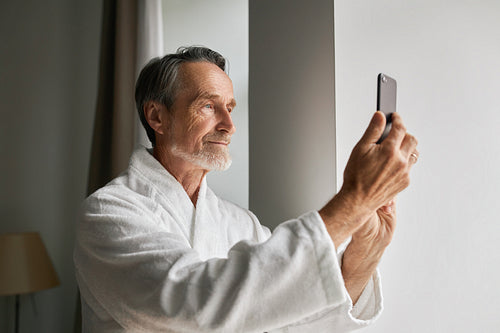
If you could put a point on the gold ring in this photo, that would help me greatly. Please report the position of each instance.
(415, 156)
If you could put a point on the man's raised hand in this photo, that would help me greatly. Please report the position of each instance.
(374, 175)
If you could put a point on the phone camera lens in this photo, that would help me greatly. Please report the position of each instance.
(384, 79)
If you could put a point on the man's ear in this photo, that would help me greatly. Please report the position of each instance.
(155, 114)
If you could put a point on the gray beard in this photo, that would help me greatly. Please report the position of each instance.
(208, 159)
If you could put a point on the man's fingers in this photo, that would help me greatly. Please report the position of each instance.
(413, 157)
(398, 130)
(409, 144)
(375, 128)
(409, 148)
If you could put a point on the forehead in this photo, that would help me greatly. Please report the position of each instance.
(205, 77)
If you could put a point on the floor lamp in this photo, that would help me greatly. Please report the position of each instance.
(25, 266)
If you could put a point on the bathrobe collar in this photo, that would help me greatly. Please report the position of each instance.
(205, 233)
(143, 162)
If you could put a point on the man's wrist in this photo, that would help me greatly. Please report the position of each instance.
(358, 266)
(343, 215)
(361, 259)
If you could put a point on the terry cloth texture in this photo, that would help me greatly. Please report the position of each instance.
(148, 260)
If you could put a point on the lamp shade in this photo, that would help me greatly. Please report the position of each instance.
(25, 266)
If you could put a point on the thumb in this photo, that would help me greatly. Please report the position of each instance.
(375, 128)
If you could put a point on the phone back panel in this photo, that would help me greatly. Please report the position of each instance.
(386, 100)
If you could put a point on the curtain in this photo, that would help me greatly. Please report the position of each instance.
(113, 136)
(132, 34)
(150, 45)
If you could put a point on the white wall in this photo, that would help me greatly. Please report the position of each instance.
(440, 273)
(221, 25)
(292, 124)
(48, 84)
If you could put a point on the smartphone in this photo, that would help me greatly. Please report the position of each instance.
(386, 100)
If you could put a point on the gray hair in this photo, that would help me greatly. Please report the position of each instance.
(159, 80)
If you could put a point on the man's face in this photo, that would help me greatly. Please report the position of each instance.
(200, 126)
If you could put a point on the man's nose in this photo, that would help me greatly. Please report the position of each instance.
(226, 122)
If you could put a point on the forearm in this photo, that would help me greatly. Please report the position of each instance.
(358, 266)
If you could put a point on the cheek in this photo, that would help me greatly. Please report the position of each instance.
(198, 123)
(193, 121)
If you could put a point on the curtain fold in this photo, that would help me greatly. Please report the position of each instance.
(150, 45)
(131, 34)
(113, 136)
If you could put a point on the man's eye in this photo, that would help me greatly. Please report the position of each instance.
(208, 106)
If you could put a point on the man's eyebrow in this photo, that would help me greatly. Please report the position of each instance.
(232, 102)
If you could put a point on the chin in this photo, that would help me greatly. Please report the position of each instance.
(212, 160)
(215, 163)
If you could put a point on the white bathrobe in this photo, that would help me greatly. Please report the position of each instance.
(148, 260)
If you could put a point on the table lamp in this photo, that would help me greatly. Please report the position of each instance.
(25, 266)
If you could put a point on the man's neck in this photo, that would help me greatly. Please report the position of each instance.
(187, 174)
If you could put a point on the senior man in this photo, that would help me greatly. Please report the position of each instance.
(158, 251)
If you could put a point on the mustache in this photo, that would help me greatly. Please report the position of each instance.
(219, 137)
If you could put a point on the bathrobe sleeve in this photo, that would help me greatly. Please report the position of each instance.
(149, 279)
(345, 317)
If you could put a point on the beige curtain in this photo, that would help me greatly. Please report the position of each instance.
(132, 34)
(113, 137)
(150, 45)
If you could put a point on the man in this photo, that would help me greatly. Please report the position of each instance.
(158, 251)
